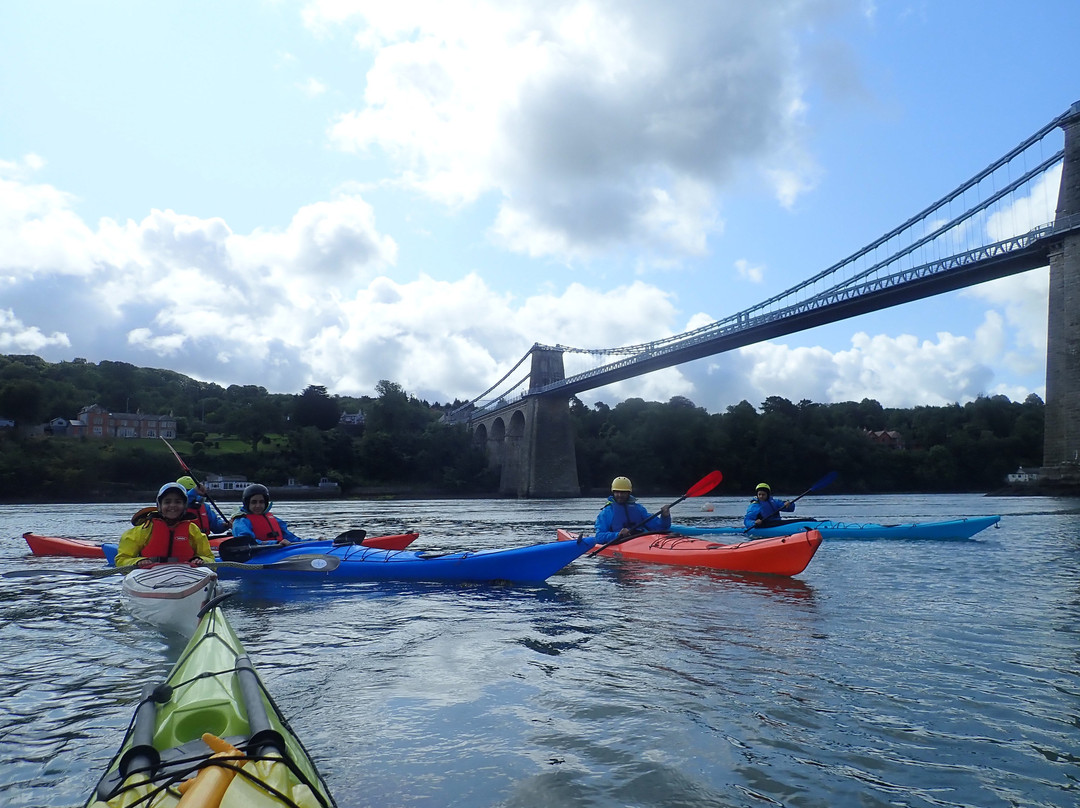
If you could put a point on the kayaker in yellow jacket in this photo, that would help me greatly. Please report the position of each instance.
(165, 534)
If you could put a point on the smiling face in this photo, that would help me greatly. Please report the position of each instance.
(257, 504)
(172, 505)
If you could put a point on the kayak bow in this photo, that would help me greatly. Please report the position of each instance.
(211, 718)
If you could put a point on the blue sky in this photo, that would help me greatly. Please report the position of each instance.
(336, 192)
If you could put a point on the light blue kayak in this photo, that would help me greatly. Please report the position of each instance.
(950, 530)
(531, 564)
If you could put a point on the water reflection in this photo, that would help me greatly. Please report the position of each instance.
(882, 675)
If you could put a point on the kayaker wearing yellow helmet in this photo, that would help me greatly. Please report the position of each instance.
(207, 520)
(764, 510)
(622, 514)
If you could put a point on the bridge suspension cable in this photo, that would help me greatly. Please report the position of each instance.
(931, 242)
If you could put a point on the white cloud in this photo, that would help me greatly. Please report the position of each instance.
(594, 123)
(754, 273)
(17, 337)
(312, 87)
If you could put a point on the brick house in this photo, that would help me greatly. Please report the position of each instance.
(96, 422)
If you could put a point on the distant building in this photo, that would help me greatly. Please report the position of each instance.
(889, 438)
(95, 421)
(225, 482)
(58, 426)
(1022, 476)
(352, 418)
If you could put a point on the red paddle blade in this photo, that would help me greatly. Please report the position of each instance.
(705, 484)
(176, 454)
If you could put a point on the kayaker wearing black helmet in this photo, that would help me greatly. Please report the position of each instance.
(165, 534)
(624, 513)
(764, 510)
(255, 522)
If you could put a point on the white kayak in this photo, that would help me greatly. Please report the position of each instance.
(170, 595)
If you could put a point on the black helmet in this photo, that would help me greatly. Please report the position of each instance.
(252, 490)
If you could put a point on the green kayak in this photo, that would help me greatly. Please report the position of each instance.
(211, 736)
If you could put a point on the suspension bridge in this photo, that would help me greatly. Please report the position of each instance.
(1020, 213)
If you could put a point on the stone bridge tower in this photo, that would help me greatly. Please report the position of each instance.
(531, 441)
(1061, 443)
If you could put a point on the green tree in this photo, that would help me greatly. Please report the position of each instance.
(314, 407)
(22, 400)
(255, 420)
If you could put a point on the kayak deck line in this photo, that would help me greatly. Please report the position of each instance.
(211, 728)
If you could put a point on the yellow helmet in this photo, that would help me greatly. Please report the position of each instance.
(621, 484)
(763, 485)
(187, 482)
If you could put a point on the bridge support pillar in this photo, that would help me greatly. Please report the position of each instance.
(531, 442)
(550, 469)
(1061, 442)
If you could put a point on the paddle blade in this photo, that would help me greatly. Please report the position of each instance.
(101, 572)
(299, 563)
(179, 459)
(354, 536)
(828, 479)
(705, 484)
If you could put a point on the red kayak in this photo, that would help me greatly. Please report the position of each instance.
(782, 555)
(84, 548)
(59, 546)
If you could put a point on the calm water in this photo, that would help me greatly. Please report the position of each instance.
(889, 673)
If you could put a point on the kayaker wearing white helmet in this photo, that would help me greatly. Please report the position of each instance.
(256, 523)
(622, 514)
(165, 534)
(764, 510)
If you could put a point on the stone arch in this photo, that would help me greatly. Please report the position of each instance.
(516, 430)
(480, 435)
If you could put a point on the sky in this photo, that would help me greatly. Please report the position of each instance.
(336, 192)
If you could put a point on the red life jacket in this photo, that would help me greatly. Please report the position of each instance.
(202, 518)
(265, 526)
(169, 543)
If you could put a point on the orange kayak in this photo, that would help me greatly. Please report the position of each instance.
(63, 546)
(85, 548)
(782, 555)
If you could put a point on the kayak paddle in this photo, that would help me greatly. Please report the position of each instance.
(299, 563)
(242, 548)
(828, 479)
(191, 474)
(354, 536)
(698, 489)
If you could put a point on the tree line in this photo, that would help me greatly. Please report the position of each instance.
(403, 446)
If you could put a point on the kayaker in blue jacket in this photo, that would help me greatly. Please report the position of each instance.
(209, 521)
(255, 522)
(623, 515)
(764, 510)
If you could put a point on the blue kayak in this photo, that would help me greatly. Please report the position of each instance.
(531, 564)
(950, 530)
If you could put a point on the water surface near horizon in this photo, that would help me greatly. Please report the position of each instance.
(889, 673)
